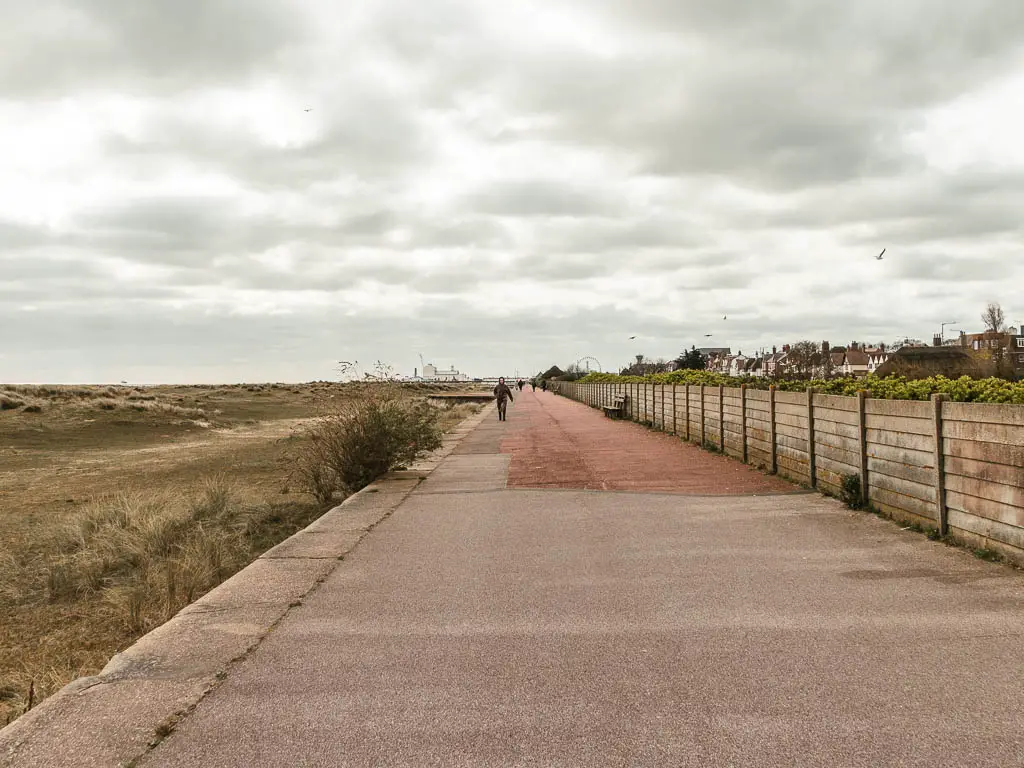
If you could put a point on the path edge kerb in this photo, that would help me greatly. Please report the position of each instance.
(116, 716)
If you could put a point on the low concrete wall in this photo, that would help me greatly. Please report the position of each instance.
(956, 467)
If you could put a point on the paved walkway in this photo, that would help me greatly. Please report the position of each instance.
(557, 443)
(483, 625)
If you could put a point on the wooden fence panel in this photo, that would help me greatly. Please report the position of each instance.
(984, 413)
(907, 440)
(791, 398)
(915, 409)
(836, 402)
(822, 421)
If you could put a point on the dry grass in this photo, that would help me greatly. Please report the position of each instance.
(112, 519)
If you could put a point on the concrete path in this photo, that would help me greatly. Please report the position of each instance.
(478, 624)
(492, 627)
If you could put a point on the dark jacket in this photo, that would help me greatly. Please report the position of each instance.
(503, 393)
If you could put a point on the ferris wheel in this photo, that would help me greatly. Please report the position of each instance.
(589, 364)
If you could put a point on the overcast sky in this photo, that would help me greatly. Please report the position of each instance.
(497, 186)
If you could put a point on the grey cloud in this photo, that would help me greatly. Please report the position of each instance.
(626, 234)
(779, 94)
(363, 134)
(15, 236)
(53, 46)
(698, 105)
(948, 268)
(537, 197)
(922, 208)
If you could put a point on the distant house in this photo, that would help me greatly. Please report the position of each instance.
(775, 363)
(922, 362)
(877, 356)
(1004, 351)
(738, 364)
(855, 361)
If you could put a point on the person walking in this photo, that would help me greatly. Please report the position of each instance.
(503, 395)
(533, 383)
(520, 384)
(544, 385)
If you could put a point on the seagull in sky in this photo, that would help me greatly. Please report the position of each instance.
(308, 109)
(632, 337)
(879, 256)
(725, 317)
(707, 335)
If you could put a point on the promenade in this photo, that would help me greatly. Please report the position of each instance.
(568, 590)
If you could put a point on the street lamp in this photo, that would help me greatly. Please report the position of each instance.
(942, 328)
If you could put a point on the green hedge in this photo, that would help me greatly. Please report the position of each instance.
(963, 390)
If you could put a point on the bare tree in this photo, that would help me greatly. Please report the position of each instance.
(803, 359)
(993, 317)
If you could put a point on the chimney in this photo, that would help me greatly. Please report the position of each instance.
(881, 347)
(775, 351)
(414, 372)
(936, 340)
(825, 347)
(853, 346)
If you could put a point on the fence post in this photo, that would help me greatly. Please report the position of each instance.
(664, 422)
(743, 419)
(941, 510)
(862, 423)
(810, 438)
(702, 415)
(721, 418)
(686, 410)
(771, 426)
(675, 413)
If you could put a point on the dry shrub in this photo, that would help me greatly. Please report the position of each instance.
(364, 438)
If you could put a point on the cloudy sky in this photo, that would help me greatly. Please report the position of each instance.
(498, 186)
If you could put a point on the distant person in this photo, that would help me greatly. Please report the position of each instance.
(533, 383)
(503, 395)
(520, 384)
(544, 384)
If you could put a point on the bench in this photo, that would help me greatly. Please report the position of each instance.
(614, 409)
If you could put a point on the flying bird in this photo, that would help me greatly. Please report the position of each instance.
(725, 317)
(632, 337)
(879, 256)
(308, 109)
(707, 335)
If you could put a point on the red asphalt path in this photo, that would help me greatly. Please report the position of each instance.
(559, 443)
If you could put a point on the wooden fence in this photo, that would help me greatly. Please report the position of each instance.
(955, 467)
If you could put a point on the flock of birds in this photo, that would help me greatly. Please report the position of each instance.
(726, 317)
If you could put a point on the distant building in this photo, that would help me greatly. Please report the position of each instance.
(432, 373)
(877, 356)
(1003, 350)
